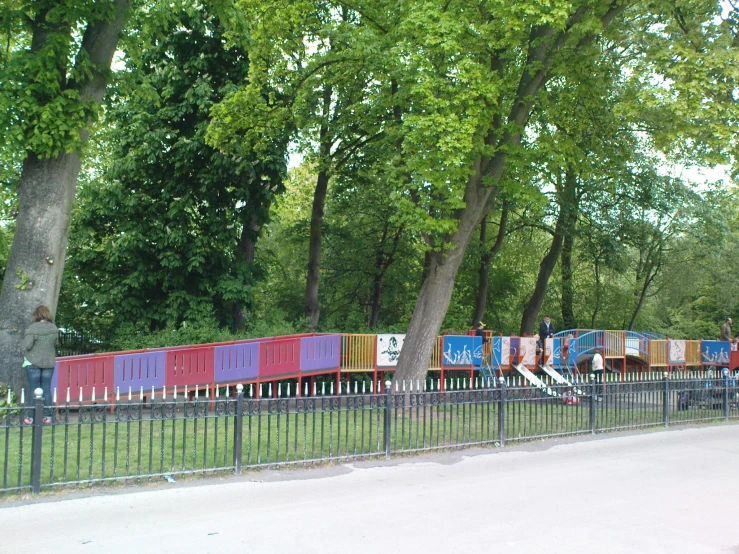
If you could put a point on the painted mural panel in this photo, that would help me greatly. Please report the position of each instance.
(513, 350)
(528, 351)
(572, 352)
(388, 349)
(549, 351)
(676, 351)
(557, 351)
(462, 351)
(715, 352)
(501, 351)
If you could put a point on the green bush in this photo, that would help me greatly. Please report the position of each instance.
(128, 337)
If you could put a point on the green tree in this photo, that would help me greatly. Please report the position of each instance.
(51, 82)
(299, 48)
(168, 234)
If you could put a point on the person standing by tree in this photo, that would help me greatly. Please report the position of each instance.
(726, 330)
(40, 345)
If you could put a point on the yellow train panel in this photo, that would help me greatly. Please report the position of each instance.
(692, 353)
(658, 353)
(358, 352)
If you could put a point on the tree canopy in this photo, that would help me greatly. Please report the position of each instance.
(447, 159)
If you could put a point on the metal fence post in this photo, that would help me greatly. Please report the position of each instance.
(501, 412)
(238, 428)
(726, 393)
(593, 391)
(666, 400)
(38, 430)
(388, 404)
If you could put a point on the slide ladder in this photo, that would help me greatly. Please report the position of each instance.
(487, 371)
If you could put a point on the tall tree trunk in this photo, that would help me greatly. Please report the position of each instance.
(568, 289)
(375, 300)
(377, 281)
(245, 254)
(426, 268)
(482, 275)
(34, 273)
(483, 280)
(312, 306)
(46, 192)
(382, 263)
(598, 288)
(567, 199)
(436, 291)
(641, 297)
(531, 310)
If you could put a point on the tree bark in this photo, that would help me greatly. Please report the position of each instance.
(641, 296)
(531, 310)
(34, 273)
(482, 276)
(436, 291)
(245, 252)
(375, 300)
(312, 306)
(567, 210)
(596, 306)
(46, 192)
(382, 263)
(483, 280)
(568, 288)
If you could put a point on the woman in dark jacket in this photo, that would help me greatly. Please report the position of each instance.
(40, 344)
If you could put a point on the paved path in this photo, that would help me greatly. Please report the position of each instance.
(673, 492)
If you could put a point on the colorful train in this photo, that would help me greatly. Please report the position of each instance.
(300, 359)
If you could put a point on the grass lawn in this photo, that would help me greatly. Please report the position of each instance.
(93, 445)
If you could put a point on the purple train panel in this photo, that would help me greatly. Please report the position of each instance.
(319, 353)
(133, 371)
(236, 362)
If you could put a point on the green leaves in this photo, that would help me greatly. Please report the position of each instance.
(161, 238)
(41, 110)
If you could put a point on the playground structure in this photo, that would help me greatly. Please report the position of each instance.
(341, 358)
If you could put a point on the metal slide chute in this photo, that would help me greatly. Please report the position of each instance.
(534, 380)
(560, 379)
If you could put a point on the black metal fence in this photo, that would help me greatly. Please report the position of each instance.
(148, 437)
(76, 343)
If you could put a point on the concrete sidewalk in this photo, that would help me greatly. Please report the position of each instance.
(673, 492)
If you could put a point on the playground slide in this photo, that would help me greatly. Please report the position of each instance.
(534, 380)
(559, 379)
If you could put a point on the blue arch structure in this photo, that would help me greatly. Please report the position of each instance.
(581, 344)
